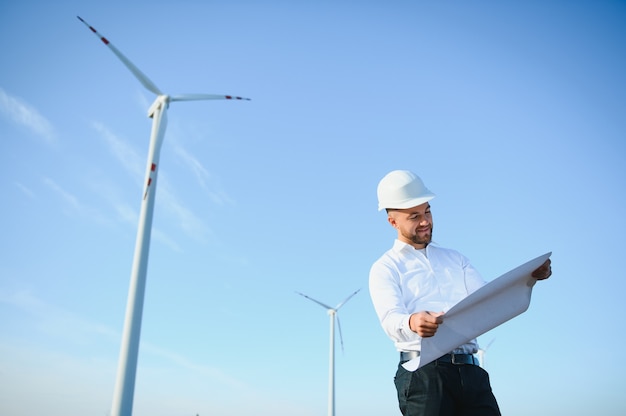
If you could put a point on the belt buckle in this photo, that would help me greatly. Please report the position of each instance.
(461, 360)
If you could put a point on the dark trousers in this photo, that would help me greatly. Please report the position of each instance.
(445, 389)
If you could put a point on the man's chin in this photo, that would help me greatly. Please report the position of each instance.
(422, 240)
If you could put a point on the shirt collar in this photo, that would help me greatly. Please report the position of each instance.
(399, 246)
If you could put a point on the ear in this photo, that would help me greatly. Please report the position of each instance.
(392, 221)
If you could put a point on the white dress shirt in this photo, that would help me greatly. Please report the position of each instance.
(405, 281)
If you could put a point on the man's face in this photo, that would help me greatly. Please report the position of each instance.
(414, 225)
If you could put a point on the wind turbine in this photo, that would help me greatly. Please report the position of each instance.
(332, 312)
(127, 366)
(481, 353)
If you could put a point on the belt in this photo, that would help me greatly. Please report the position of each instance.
(457, 359)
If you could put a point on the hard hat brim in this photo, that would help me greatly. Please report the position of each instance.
(409, 203)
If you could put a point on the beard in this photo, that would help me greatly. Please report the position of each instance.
(420, 238)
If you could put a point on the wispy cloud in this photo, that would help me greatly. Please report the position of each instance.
(27, 191)
(190, 223)
(70, 199)
(206, 181)
(130, 159)
(122, 151)
(75, 330)
(126, 213)
(72, 204)
(193, 366)
(202, 175)
(22, 113)
(53, 319)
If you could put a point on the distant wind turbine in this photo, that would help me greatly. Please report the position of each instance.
(332, 312)
(127, 367)
(482, 352)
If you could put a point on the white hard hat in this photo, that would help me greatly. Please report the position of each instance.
(402, 189)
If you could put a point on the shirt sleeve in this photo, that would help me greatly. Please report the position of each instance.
(387, 299)
(473, 279)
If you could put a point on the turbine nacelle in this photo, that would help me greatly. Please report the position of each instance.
(162, 102)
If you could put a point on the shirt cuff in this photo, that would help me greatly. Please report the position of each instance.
(406, 327)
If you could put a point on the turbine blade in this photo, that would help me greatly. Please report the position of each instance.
(346, 300)
(316, 301)
(193, 97)
(489, 345)
(145, 81)
(340, 336)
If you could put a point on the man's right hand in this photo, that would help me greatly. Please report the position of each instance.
(425, 323)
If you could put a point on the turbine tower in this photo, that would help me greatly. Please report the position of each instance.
(482, 352)
(127, 366)
(332, 312)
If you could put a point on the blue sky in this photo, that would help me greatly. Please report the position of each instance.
(511, 112)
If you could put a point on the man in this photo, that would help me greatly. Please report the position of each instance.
(410, 286)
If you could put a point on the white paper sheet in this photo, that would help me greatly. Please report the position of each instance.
(491, 305)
